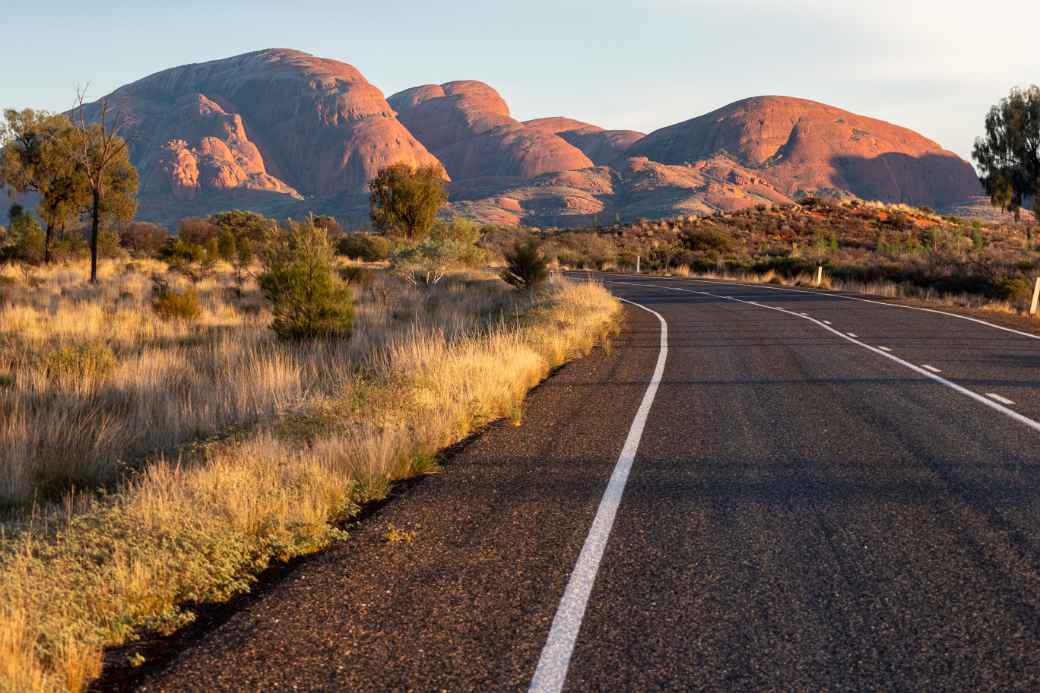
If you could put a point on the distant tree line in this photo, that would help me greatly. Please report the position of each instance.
(79, 168)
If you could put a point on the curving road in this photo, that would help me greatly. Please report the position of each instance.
(801, 492)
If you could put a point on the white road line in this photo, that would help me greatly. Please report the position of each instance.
(827, 294)
(1002, 400)
(933, 369)
(826, 322)
(853, 335)
(884, 349)
(1010, 413)
(551, 673)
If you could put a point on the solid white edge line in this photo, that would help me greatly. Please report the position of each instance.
(884, 348)
(1002, 400)
(555, 659)
(828, 294)
(933, 369)
(1011, 413)
(853, 335)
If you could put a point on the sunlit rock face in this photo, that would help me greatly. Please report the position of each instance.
(802, 146)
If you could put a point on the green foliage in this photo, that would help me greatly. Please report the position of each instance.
(1013, 289)
(241, 224)
(978, 241)
(27, 242)
(364, 246)
(307, 297)
(34, 158)
(708, 240)
(405, 201)
(1009, 154)
(181, 255)
(526, 267)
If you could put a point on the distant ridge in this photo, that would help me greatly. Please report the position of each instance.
(283, 132)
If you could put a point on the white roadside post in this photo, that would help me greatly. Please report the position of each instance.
(637, 268)
(1036, 298)
(819, 276)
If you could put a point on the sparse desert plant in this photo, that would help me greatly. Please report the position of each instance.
(76, 365)
(170, 304)
(526, 267)
(396, 535)
(308, 299)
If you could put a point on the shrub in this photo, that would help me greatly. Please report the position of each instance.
(364, 246)
(355, 275)
(307, 298)
(405, 201)
(177, 305)
(526, 268)
(198, 231)
(708, 240)
(143, 239)
(1013, 289)
(73, 364)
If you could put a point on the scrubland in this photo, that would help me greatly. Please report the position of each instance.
(883, 249)
(150, 464)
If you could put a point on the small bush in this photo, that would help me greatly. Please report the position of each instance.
(708, 240)
(177, 305)
(307, 298)
(364, 246)
(356, 275)
(76, 363)
(1013, 289)
(526, 268)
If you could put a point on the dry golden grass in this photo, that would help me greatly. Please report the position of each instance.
(327, 428)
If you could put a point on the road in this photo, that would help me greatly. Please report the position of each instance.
(755, 489)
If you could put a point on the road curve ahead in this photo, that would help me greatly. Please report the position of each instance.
(785, 491)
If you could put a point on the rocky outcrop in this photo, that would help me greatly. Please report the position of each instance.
(286, 133)
(276, 121)
(468, 127)
(601, 146)
(802, 147)
(632, 188)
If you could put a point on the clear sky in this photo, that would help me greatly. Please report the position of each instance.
(930, 65)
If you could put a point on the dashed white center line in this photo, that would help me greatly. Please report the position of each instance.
(1002, 400)
(933, 369)
(991, 400)
(884, 349)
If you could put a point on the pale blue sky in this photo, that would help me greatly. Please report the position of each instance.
(930, 65)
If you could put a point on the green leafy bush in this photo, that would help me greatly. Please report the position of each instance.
(365, 246)
(526, 268)
(307, 297)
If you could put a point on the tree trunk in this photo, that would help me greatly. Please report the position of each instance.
(47, 244)
(95, 223)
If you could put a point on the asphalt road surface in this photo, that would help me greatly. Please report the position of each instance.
(755, 489)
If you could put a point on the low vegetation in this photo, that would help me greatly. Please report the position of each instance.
(163, 444)
(893, 250)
